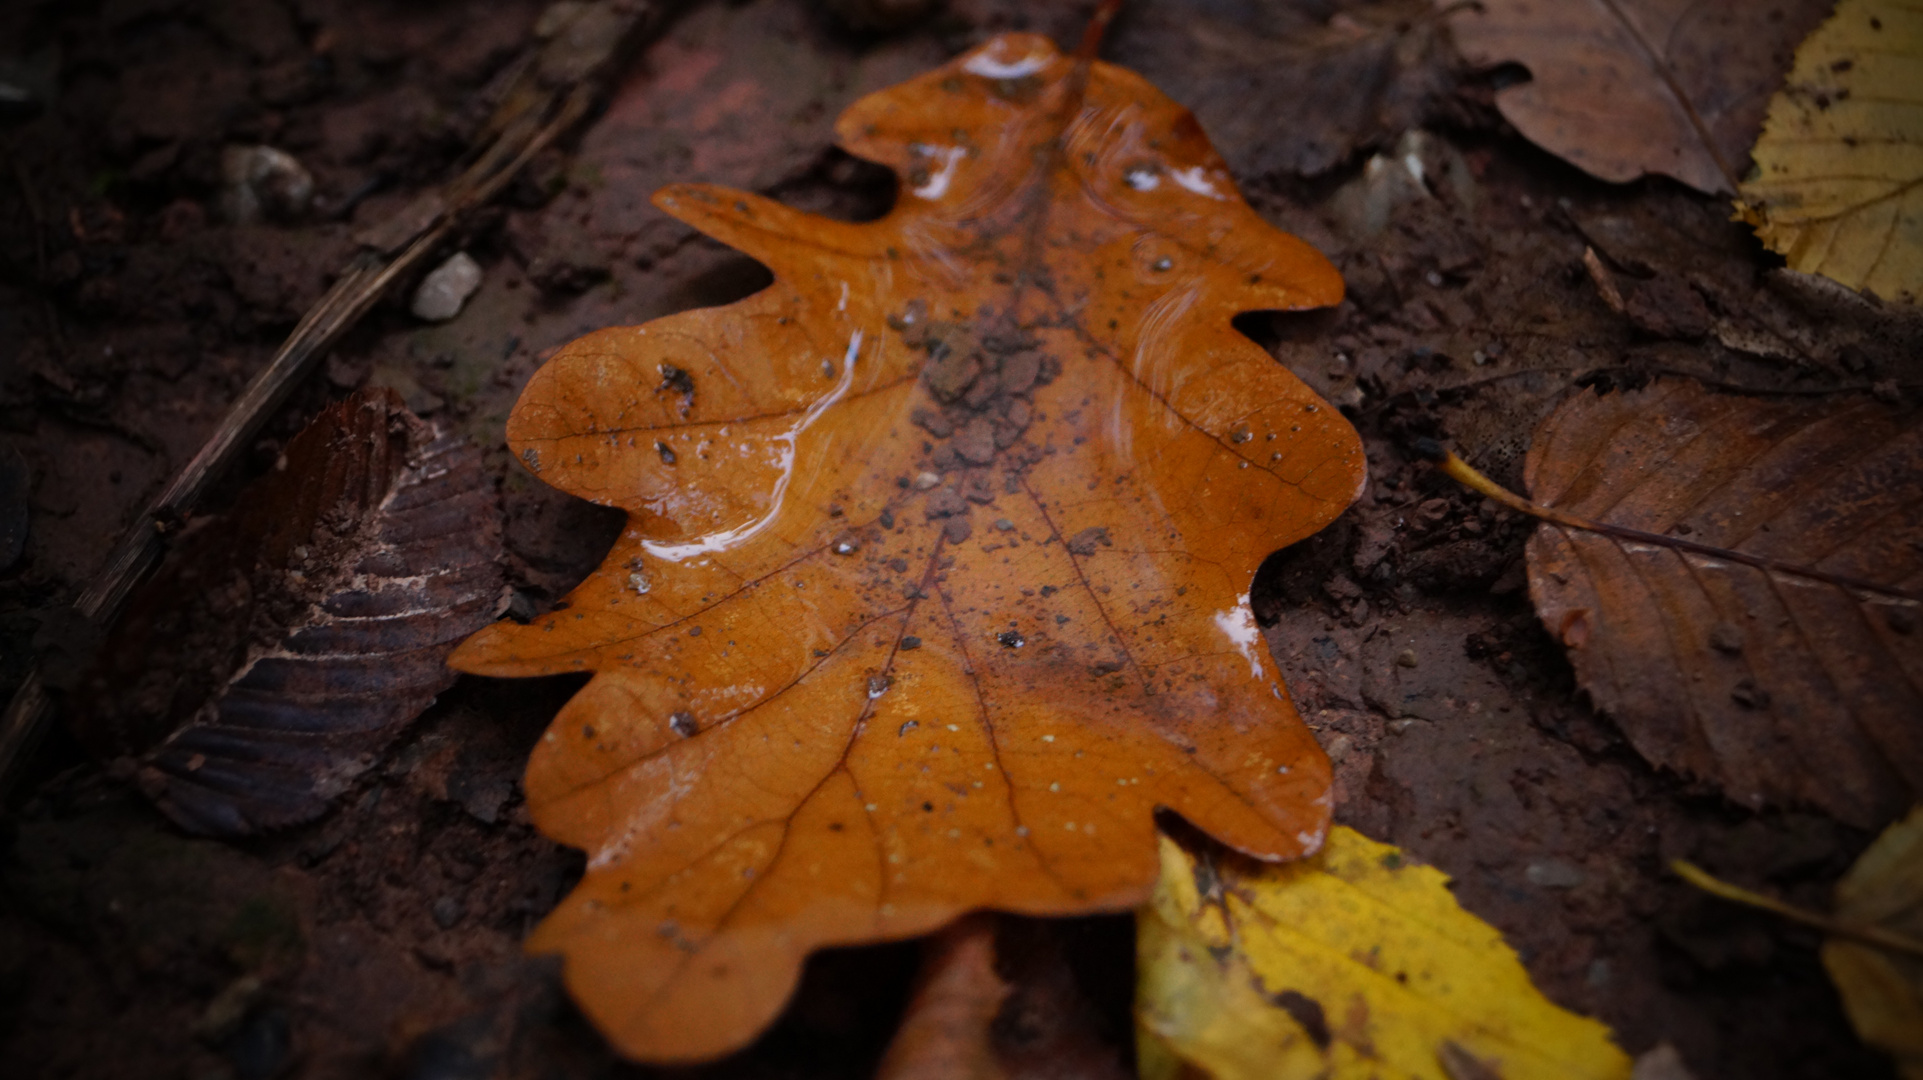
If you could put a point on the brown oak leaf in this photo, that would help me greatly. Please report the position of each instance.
(935, 584)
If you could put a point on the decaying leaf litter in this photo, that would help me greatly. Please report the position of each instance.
(281, 650)
(1395, 311)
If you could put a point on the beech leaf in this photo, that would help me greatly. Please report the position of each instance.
(936, 580)
(1355, 963)
(282, 647)
(1623, 88)
(1783, 663)
(1838, 187)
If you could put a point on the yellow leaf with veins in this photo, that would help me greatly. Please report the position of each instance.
(1838, 183)
(1353, 963)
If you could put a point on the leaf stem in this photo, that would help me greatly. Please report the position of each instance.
(1868, 935)
(1466, 475)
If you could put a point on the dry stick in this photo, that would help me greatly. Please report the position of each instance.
(1465, 474)
(1866, 933)
(548, 98)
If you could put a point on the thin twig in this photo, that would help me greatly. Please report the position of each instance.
(548, 98)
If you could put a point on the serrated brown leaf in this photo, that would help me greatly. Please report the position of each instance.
(1623, 88)
(936, 580)
(1780, 687)
(282, 647)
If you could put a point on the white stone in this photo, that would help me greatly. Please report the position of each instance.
(447, 287)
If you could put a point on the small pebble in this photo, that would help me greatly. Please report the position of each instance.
(446, 288)
(1554, 874)
(1406, 658)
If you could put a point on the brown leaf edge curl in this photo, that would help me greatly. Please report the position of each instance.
(284, 646)
(1737, 582)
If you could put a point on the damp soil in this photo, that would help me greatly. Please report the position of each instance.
(383, 939)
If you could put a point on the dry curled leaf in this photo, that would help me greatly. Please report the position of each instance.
(1838, 188)
(283, 646)
(1795, 681)
(936, 579)
(1353, 964)
(1621, 88)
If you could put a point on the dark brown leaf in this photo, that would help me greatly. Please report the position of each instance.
(1780, 685)
(1353, 79)
(1622, 88)
(283, 647)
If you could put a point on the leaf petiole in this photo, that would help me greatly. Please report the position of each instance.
(1869, 935)
(1465, 474)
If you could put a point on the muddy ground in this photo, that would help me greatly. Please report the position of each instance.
(383, 939)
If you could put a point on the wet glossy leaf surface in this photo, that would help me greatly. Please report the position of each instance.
(936, 579)
(1776, 687)
(282, 648)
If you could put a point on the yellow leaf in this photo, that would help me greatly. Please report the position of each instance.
(1352, 963)
(1838, 184)
(1882, 988)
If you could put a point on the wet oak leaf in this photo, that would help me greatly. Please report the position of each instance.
(1623, 88)
(283, 646)
(1778, 687)
(935, 585)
